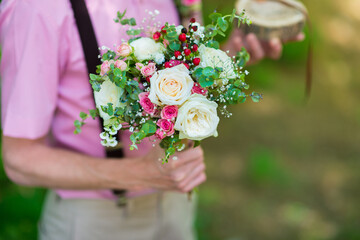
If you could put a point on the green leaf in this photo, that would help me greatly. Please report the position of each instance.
(110, 110)
(149, 127)
(94, 76)
(121, 15)
(83, 115)
(197, 143)
(124, 21)
(77, 123)
(119, 111)
(172, 34)
(219, 31)
(206, 81)
(118, 72)
(174, 45)
(256, 97)
(132, 22)
(237, 83)
(198, 72)
(93, 113)
(77, 130)
(213, 44)
(214, 16)
(96, 86)
(133, 32)
(208, 71)
(223, 24)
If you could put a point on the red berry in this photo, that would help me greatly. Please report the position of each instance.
(194, 28)
(177, 53)
(187, 52)
(167, 65)
(163, 30)
(182, 37)
(196, 61)
(192, 20)
(195, 47)
(186, 65)
(148, 78)
(156, 36)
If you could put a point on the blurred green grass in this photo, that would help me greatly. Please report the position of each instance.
(281, 169)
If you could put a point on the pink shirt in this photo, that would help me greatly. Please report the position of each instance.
(43, 72)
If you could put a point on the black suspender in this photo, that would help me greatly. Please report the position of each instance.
(91, 53)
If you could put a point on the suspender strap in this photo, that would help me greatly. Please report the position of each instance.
(91, 53)
(87, 35)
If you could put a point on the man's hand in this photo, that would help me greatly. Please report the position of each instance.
(182, 174)
(33, 163)
(257, 49)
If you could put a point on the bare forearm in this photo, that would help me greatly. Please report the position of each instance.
(36, 164)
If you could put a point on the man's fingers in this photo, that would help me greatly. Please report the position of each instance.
(193, 174)
(254, 48)
(186, 156)
(238, 43)
(197, 181)
(274, 48)
(298, 38)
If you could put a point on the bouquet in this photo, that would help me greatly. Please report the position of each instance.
(168, 84)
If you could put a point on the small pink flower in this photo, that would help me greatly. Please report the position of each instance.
(169, 112)
(139, 66)
(148, 70)
(146, 103)
(105, 67)
(198, 89)
(120, 64)
(166, 126)
(160, 134)
(124, 50)
(141, 86)
(166, 43)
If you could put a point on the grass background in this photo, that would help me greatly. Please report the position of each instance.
(280, 169)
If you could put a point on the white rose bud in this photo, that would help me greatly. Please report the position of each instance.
(211, 57)
(171, 86)
(109, 93)
(146, 48)
(197, 118)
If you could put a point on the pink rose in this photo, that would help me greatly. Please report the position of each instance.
(146, 103)
(166, 126)
(105, 67)
(124, 50)
(148, 70)
(139, 66)
(169, 112)
(160, 134)
(198, 89)
(120, 64)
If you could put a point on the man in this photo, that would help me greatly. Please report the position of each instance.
(45, 86)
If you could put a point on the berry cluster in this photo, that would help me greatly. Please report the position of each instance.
(187, 52)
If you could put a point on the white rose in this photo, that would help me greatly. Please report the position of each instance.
(197, 118)
(146, 48)
(109, 93)
(171, 86)
(211, 57)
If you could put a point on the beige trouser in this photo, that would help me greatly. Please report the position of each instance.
(158, 216)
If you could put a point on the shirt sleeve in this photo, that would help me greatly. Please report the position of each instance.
(29, 69)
